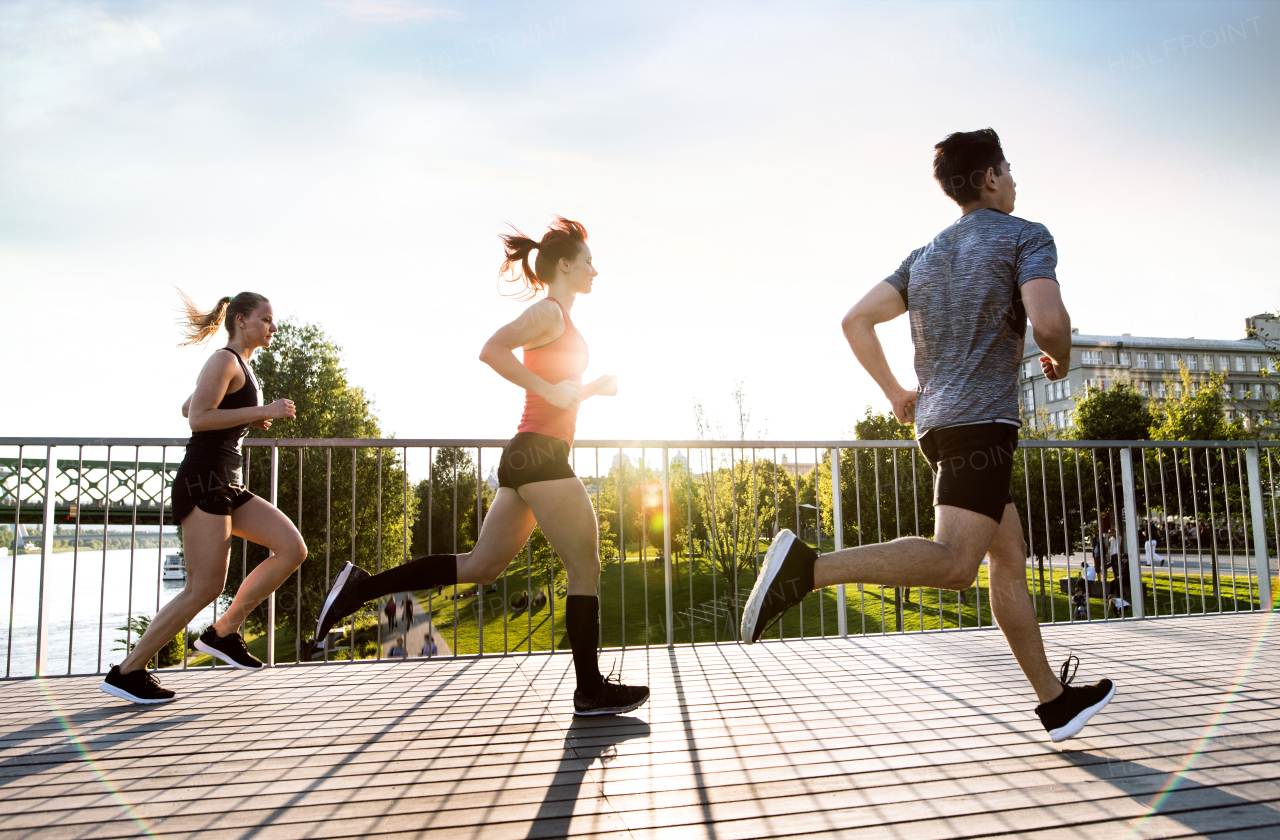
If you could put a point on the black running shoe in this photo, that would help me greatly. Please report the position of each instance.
(230, 649)
(1065, 715)
(786, 576)
(342, 600)
(140, 686)
(613, 698)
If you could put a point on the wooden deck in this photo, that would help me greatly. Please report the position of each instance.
(922, 736)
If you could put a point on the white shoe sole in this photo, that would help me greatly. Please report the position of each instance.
(333, 596)
(1077, 723)
(773, 560)
(124, 695)
(217, 654)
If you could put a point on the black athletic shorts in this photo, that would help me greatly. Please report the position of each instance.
(972, 466)
(531, 457)
(211, 495)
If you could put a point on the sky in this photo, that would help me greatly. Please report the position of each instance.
(746, 171)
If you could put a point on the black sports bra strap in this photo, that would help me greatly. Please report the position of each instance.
(248, 374)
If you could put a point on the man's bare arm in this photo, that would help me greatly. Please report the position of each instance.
(882, 303)
(1050, 325)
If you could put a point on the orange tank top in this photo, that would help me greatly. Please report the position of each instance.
(557, 361)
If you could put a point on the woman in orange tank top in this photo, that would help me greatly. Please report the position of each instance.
(537, 486)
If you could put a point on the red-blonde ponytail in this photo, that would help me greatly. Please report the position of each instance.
(564, 240)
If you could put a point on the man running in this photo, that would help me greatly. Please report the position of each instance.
(969, 293)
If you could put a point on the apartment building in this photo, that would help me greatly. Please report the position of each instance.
(1100, 360)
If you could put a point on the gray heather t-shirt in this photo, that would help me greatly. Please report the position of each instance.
(963, 295)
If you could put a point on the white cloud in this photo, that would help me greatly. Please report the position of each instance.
(745, 172)
(394, 11)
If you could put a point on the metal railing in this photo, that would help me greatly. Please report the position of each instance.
(683, 526)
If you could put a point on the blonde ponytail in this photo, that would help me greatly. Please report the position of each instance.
(198, 327)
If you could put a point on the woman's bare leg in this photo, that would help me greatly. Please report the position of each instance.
(261, 522)
(565, 515)
(206, 547)
(505, 531)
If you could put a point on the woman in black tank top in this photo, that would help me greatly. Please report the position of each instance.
(211, 503)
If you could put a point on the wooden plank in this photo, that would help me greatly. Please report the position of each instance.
(926, 734)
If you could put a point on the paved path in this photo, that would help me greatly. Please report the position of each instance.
(416, 634)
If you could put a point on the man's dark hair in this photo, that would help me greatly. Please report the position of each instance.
(961, 161)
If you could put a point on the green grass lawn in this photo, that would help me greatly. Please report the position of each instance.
(633, 610)
(632, 602)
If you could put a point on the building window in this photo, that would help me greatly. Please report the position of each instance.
(1208, 362)
(1191, 361)
(1048, 393)
(1029, 400)
(1142, 361)
(1239, 364)
(1255, 364)
(1092, 357)
(1144, 388)
(1066, 387)
(1240, 392)
(1160, 390)
(1224, 363)
(1177, 389)
(1028, 370)
(1159, 361)
(1124, 359)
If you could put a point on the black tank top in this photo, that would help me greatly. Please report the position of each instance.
(216, 452)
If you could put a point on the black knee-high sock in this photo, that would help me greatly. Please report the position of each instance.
(582, 617)
(423, 573)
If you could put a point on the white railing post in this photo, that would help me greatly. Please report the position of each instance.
(271, 599)
(1258, 513)
(46, 556)
(666, 547)
(1131, 533)
(837, 521)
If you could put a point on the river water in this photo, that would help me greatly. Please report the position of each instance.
(102, 604)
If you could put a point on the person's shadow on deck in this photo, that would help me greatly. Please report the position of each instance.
(587, 741)
(1172, 795)
(75, 746)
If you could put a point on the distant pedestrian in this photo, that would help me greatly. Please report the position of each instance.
(408, 611)
(398, 648)
(1081, 602)
(390, 610)
(1153, 559)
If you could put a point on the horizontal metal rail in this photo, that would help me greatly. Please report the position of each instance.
(1114, 530)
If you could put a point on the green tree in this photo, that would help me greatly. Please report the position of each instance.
(1194, 411)
(1118, 413)
(337, 497)
(885, 492)
(170, 654)
(447, 503)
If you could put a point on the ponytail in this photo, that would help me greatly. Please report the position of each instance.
(198, 327)
(563, 240)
